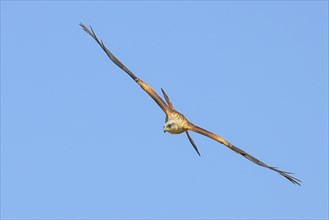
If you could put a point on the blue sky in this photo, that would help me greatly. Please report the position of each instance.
(79, 139)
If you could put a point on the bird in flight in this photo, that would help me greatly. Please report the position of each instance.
(177, 123)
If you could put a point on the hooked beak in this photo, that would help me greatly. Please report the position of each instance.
(164, 129)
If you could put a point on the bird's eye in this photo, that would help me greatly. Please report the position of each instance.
(169, 126)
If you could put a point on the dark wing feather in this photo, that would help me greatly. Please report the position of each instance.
(144, 86)
(242, 153)
(109, 54)
(167, 99)
(192, 142)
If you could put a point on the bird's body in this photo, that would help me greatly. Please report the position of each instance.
(177, 123)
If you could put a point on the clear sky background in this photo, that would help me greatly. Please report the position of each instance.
(80, 139)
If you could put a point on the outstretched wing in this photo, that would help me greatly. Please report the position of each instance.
(144, 86)
(241, 152)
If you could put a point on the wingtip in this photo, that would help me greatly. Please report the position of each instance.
(82, 25)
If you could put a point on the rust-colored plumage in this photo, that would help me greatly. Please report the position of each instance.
(176, 122)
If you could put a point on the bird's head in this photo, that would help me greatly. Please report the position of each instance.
(173, 126)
